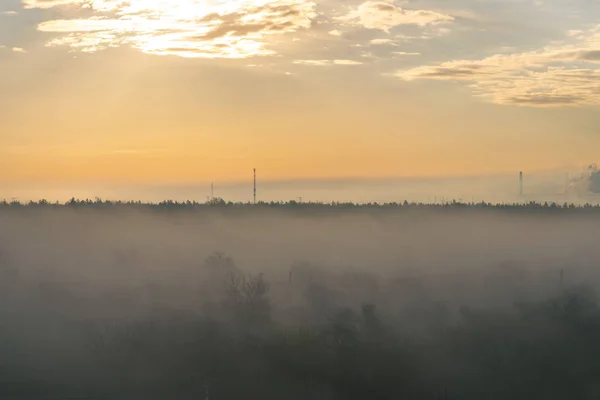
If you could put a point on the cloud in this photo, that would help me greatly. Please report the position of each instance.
(10, 13)
(18, 50)
(559, 75)
(409, 38)
(315, 63)
(384, 15)
(346, 62)
(404, 53)
(29, 4)
(335, 32)
(587, 55)
(377, 42)
(186, 28)
(327, 63)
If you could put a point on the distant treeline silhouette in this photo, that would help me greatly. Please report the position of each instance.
(292, 204)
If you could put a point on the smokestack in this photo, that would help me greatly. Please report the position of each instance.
(521, 183)
(254, 185)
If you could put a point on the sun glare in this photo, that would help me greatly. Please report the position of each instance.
(192, 28)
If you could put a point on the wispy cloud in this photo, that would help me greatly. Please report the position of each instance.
(558, 75)
(29, 4)
(10, 13)
(346, 62)
(326, 63)
(18, 50)
(404, 53)
(186, 28)
(378, 42)
(384, 15)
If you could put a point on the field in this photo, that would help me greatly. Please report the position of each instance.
(299, 301)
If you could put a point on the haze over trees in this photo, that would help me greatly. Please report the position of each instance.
(108, 300)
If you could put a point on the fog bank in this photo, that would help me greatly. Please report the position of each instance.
(154, 303)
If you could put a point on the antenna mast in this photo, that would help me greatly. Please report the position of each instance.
(521, 183)
(254, 185)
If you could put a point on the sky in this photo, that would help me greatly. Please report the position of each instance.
(162, 91)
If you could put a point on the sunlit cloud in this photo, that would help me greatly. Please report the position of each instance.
(18, 50)
(191, 28)
(29, 4)
(346, 62)
(559, 75)
(378, 42)
(10, 13)
(335, 32)
(404, 53)
(326, 63)
(384, 15)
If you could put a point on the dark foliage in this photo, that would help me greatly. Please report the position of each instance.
(535, 350)
(218, 203)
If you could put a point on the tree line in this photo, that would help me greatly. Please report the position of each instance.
(292, 204)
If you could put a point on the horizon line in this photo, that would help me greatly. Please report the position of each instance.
(300, 180)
